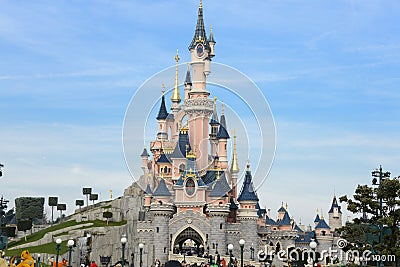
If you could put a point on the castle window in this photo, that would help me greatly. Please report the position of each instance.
(181, 168)
(323, 233)
(225, 147)
(157, 229)
(220, 226)
(169, 170)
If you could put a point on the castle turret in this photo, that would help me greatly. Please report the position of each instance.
(223, 137)
(335, 215)
(145, 161)
(162, 134)
(317, 219)
(211, 42)
(247, 214)
(161, 210)
(214, 130)
(188, 82)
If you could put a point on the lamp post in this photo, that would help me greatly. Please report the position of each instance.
(230, 248)
(123, 242)
(70, 244)
(141, 245)
(251, 252)
(132, 259)
(38, 260)
(58, 245)
(313, 245)
(378, 173)
(241, 243)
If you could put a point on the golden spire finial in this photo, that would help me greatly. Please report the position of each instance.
(201, 4)
(218, 176)
(317, 211)
(111, 196)
(176, 98)
(235, 164)
(210, 28)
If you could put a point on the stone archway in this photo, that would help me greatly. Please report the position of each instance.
(188, 241)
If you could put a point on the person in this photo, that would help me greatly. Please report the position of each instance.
(93, 264)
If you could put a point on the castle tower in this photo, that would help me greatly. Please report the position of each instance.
(214, 130)
(145, 161)
(247, 213)
(234, 168)
(161, 210)
(335, 215)
(317, 219)
(188, 82)
(223, 137)
(162, 134)
(199, 107)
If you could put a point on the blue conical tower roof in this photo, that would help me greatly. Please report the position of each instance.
(222, 131)
(200, 32)
(162, 190)
(334, 205)
(162, 113)
(247, 192)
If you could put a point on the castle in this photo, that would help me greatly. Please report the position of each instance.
(191, 204)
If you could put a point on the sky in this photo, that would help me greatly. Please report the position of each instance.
(330, 71)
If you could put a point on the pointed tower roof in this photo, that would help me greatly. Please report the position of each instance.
(235, 165)
(211, 37)
(144, 153)
(200, 32)
(162, 113)
(247, 192)
(334, 205)
(282, 209)
(317, 219)
(269, 221)
(285, 220)
(297, 228)
(176, 97)
(148, 191)
(183, 145)
(322, 225)
(223, 130)
(221, 187)
(188, 79)
(163, 158)
(214, 117)
(162, 190)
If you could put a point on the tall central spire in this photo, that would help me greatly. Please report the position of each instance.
(176, 97)
(200, 32)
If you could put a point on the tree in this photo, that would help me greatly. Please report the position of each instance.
(24, 225)
(53, 201)
(108, 215)
(29, 208)
(377, 228)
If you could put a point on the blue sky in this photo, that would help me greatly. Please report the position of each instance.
(329, 70)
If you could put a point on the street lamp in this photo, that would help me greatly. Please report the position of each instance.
(38, 260)
(230, 248)
(58, 245)
(241, 243)
(141, 245)
(313, 246)
(252, 252)
(123, 242)
(70, 244)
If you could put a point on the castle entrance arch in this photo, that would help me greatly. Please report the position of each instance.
(189, 242)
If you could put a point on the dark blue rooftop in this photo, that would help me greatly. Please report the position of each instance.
(334, 205)
(317, 219)
(247, 193)
(222, 131)
(306, 237)
(285, 220)
(322, 225)
(200, 31)
(282, 209)
(188, 79)
(233, 205)
(220, 188)
(269, 221)
(148, 190)
(162, 113)
(180, 148)
(163, 159)
(144, 153)
(260, 211)
(297, 228)
(162, 190)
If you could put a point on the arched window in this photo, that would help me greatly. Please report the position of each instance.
(181, 168)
